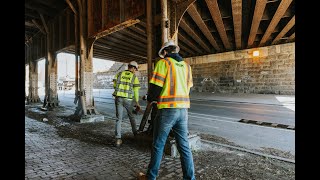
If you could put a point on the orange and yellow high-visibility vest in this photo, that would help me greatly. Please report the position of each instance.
(175, 78)
(126, 84)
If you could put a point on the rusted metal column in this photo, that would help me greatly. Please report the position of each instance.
(89, 80)
(82, 50)
(173, 29)
(33, 96)
(81, 110)
(164, 21)
(46, 78)
(51, 95)
(76, 46)
(149, 39)
(85, 101)
(52, 100)
(25, 89)
(175, 37)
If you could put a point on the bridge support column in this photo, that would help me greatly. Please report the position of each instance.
(25, 90)
(51, 95)
(86, 109)
(33, 96)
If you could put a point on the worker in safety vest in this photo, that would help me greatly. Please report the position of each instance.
(126, 89)
(170, 86)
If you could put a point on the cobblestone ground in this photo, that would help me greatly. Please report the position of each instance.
(62, 149)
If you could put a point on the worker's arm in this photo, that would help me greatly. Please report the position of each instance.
(136, 88)
(115, 80)
(157, 81)
(190, 82)
(154, 92)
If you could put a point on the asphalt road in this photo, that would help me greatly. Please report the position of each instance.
(221, 118)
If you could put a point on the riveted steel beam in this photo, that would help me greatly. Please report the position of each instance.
(38, 26)
(189, 43)
(283, 6)
(289, 25)
(195, 15)
(217, 18)
(237, 21)
(257, 15)
(193, 34)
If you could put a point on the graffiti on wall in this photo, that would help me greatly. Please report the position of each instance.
(208, 84)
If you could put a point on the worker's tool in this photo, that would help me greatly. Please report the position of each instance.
(146, 114)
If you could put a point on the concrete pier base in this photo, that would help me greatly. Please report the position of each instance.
(33, 100)
(171, 146)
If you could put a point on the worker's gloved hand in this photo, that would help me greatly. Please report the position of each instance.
(137, 109)
(144, 97)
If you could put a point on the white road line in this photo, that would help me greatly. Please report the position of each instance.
(288, 102)
(244, 108)
(214, 119)
(207, 115)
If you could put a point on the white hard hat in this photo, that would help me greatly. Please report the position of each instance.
(133, 63)
(167, 44)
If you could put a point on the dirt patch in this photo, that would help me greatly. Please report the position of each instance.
(276, 152)
(269, 151)
(237, 165)
(217, 139)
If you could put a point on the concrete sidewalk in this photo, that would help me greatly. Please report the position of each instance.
(267, 99)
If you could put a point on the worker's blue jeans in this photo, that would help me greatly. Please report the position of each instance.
(176, 119)
(127, 104)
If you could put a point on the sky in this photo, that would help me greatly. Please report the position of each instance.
(66, 66)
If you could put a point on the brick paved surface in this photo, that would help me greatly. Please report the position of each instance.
(48, 156)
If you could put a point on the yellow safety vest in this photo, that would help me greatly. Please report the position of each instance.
(126, 83)
(175, 78)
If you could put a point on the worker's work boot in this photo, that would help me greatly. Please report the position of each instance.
(142, 176)
(118, 142)
(135, 134)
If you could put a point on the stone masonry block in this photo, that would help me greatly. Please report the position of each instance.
(283, 56)
(252, 72)
(288, 48)
(292, 56)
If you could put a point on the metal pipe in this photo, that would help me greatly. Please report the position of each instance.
(149, 39)
(164, 20)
